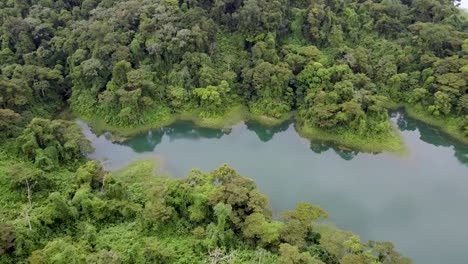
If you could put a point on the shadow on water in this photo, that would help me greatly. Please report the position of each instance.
(431, 135)
(265, 133)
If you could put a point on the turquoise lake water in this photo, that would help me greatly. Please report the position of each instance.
(418, 201)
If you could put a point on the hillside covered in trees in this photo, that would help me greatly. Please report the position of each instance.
(339, 65)
(336, 67)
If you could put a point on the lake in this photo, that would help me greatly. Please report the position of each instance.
(418, 201)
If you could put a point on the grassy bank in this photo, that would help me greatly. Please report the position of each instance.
(392, 142)
(448, 124)
(99, 126)
(268, 121)
(232, 117)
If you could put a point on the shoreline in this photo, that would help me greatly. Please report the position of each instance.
(392, 142)
(445, 124)
(232, 117)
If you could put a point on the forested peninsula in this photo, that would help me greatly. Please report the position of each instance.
(335, 67)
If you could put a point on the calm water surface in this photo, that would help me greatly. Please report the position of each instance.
(419, 201)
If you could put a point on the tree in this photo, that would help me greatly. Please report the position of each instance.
(104, 256)
(358, 60)
(239, 193)
(58, 251)
(297, 57)
(269, 80)
(299, 223)
(7, 119)
(57, 211)
(418, 95)
(439, 38)
(47, 143)
(156, 208)
(31, 179)
(153, 251)
(386, 253)
(463, 104)
(90, 174)
(213, 99)
(295, 233)
(218, 236)
(119, 75)
(270, 85)
(441, 105)
(257, 227)
(7, 238)
(266, 50)
(291, 255)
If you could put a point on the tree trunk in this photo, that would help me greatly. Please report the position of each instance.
(30, 204)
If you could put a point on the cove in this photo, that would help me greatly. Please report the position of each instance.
(418, 201)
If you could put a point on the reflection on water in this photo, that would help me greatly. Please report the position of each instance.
(186, 130)
(147, 142)
(265, 134)
(417, 201)
(151, 140)
(432, 136)
(319, 147)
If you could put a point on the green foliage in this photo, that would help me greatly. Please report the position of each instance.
(214, 100)
(87, 215)
(257, 227)
(291, 255)
(58, 251)
(441, 104)
(133, 64)
(8, 118)
(306, 213)
(7, 238)
(130, 64)
(51, 143)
